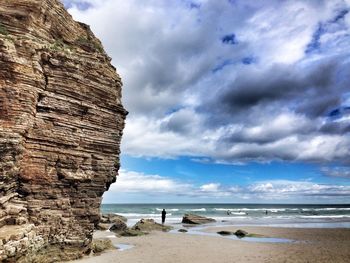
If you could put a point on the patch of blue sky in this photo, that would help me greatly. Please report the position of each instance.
(190, 4)
(229, 62)
(223, 64)
(339, 112)
(323, 28)
(335, 113)
(248, 60)
(229, 39)
(195, 5)
(340, 16)
(315, 43)
(188, 170)
(173, 110)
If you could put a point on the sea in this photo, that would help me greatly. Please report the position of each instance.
(274, 215)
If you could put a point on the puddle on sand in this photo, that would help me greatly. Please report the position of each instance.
(122, 247)
(197, 231)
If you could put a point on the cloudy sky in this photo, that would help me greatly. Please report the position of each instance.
(229, 100)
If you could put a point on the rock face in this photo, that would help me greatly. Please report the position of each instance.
(61, 122)
(196, 219)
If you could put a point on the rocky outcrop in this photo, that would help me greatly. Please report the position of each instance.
(111, 218)
(100, 245)
(107, 220)
(225, 233)
(61, 122)
(118, 226)
(241, 233)
(196, 219)
(148, 225)
(142, 227)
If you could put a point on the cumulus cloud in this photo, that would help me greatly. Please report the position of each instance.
(130, 181)
(230, 81)
(210, 187)
(135, 182)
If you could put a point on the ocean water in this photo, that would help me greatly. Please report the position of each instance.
(288, 215)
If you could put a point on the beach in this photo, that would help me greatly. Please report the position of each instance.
(299, 245)
(278, 233)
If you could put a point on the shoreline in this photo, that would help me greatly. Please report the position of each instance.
(284, 215)
(263, 222)
(308, 245)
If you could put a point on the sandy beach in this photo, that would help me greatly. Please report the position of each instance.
(306, 245)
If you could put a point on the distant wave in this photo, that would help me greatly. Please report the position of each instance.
(168, 209)
(239, 213)
(273, 210)
(223, 209)
(141, 215)
(326, 209)
(196, 209)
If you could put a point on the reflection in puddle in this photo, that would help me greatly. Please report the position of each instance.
(122, 247)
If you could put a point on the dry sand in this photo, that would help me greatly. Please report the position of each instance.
(312, 245)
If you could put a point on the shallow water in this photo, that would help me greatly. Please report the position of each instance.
(122, 247)
(199, 231)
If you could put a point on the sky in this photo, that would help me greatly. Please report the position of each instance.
(230, 101)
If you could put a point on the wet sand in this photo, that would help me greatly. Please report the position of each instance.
(309, 245)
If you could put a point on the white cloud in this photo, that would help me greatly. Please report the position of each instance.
(130, 181)
(338, 171)
(210, 187)
(166, 53)
(145, 184)
(284, 189)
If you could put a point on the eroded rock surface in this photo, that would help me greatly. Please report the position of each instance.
(61, 122)
(148, 225)
(196, 219)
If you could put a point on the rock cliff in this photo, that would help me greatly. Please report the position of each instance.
(61, 122)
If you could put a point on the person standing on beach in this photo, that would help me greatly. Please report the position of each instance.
(163, 216)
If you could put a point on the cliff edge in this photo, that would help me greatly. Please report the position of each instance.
(61, 122)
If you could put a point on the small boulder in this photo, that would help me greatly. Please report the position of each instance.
(183, 230)
(225, 233)
(148, 225)
(102, 226)
(118, 226)
(132, 233)
(241, 233)
(100, 245)
(111, 218)
(196, 219)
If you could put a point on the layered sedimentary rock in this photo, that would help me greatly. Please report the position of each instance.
(61, 122)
